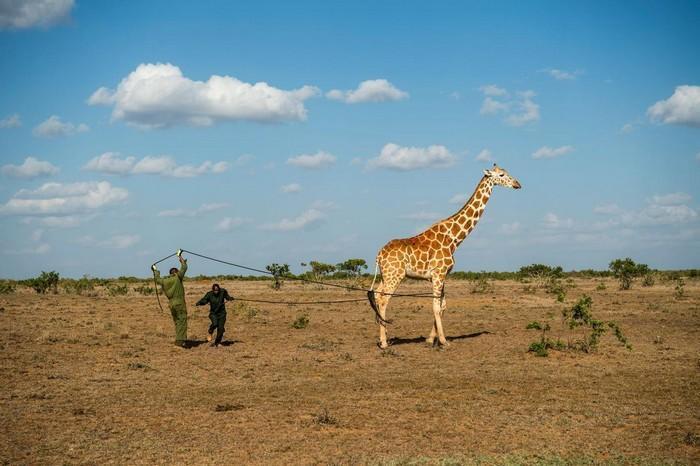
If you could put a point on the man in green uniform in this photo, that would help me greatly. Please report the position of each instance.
(175, 292)
(216, 298)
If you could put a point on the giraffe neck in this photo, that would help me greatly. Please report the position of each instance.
(468, 216)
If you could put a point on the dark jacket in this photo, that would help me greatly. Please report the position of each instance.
(217, 303)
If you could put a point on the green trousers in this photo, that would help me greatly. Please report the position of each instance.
(179, 313)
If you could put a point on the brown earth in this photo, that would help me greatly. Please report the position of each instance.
(96, 380)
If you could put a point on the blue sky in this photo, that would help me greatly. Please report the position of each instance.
(130, 129)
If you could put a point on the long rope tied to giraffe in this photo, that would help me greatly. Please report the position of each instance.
(370, 292)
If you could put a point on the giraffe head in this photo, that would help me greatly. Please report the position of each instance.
(499, 176)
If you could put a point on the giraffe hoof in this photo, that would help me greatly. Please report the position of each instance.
(429, 341)
(445, 344)
(383, 345)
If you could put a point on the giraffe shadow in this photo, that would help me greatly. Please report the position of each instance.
(421, 339)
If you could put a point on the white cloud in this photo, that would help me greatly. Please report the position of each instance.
(670, 199)
(228, 223)
(31, 168)
(396, 157)
(546, 152)
(320, 159)
(628, 128)
(682, 108)
(56, 198)
(373, 90)
(291, 188)
(111, 163)
(561, 75)
(519, 110)
(20, 14)
(113, 242)
(509, 228)
(493, 90)
(243, 160)
(484, 156)
(491, 106)
(203, 209)
(12, 121)
(460, 198)
(305, 219)
(526, 110)
(54, 127)
(120, 241)
(67, 221)
(553, 221)
(607, 209)
(42, 248)
(158, 95)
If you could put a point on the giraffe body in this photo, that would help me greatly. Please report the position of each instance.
(429, 255)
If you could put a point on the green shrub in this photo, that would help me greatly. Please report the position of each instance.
(6, 287)
(47, 281)
(81, 286)
(278, 271)
(580, 316)
(300, 322)
(144, 290)
(680, 288)
(626, 270)
(482, 285)
(116, 289)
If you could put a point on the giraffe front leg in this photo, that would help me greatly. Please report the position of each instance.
(439, 305)
(382, 303)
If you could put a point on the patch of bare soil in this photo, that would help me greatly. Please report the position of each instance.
(97, 380)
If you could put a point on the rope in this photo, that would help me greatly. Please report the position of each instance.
(317, 282)
(155, 283)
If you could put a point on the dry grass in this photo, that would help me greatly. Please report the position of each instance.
(95, 380)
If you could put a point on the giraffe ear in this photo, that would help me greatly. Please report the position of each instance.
(487, 173)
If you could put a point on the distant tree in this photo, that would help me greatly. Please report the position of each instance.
(45, 282)
(320, 269)
(352, 267)
(626, 270)
(278, 271)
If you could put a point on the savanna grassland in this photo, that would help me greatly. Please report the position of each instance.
(95, 379)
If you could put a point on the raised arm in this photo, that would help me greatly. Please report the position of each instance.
(183, 268)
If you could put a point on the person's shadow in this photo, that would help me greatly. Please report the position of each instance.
(421, 339)
(196, 343)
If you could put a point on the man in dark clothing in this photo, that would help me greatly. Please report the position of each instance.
(216, 298)
(175, 292)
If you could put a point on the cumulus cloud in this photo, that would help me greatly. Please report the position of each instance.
(31, 168)
(57, 198)
(113, 242)
(607, 209)
(113, 164)
(53, 127)
(493, 90)
(203, 209)
(484, 156)
(21, 14)
(517, 111)
(546, 152)
(318, 160)
(552, 220)
(12, 121)
(158, 95)
(373, 90)
(305, 220)
(665, 209)
(230, 223)
(396, 157)
(682, 108)
(291, 188)
(561, 75)
(509, 228)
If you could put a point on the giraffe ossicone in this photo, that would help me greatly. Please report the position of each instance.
(430, 255)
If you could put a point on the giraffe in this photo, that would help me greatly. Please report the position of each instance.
(429, 255)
